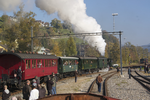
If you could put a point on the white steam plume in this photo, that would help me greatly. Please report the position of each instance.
(74, 11)
(9, 5)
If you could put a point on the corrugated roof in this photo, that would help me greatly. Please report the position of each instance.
(30, 56)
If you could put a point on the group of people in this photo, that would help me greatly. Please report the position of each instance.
(39, 90)
(35, 90)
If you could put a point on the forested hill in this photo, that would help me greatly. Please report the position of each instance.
(15, 33)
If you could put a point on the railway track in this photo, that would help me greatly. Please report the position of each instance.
(93, 86)
(144, 81)
(16, 91)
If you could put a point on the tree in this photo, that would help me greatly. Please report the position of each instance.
(71, 47)
(56, 24)
(91, 51)
(56, 50)
(21, 31)
(114, 52)
(108, 48)
(62, 46)
(51, 31)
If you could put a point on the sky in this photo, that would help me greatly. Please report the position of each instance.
(133, 17)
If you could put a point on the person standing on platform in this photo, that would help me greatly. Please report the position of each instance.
(42, 91)
(26, 90)
(129, 72)
(145, 68)
(37, 81)
(6, 93)
(140, 68)
(19, 74)
(34, 94)
(76, 74)
(49, 84)
(54, 80)
(99, 80)
(118, 71)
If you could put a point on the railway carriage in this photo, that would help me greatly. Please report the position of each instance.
(109, 62)
(32, 65)
(42, 65)
(87, 64)
(67, 65)
(143, 61)
(102, 63)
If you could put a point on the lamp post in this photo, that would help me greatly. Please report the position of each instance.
(114, 14)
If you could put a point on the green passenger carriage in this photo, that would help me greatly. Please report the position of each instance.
(67, 65)
(87, 64)
(102, 63)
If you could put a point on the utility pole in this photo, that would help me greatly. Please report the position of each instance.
(31, 38)
(120, 52)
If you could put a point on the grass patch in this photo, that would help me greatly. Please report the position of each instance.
(76, 89)
(118, 84)
(122, 82)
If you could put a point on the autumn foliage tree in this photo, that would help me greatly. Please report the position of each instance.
(71, 47)
(18, 35)
(56, 50)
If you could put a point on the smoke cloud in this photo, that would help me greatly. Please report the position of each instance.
(9, 5)
(74, 11)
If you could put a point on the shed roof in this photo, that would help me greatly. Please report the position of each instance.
(30, 56)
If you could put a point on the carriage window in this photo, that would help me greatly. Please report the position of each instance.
(42, 63)
(73, 62)
(39, 64)
(28, 64)
(87, 62)
(65, 62)
(33, 63)
(91, 61)
(76, 62)
(46, 63)
(49, 63)
(54, 63)
(69, 62)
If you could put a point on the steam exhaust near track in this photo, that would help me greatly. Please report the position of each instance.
(74, 12)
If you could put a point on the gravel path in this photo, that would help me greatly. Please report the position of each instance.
(127, 89)
(118, 87)
(81, 86)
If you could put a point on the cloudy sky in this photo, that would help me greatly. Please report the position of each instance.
(133, 16)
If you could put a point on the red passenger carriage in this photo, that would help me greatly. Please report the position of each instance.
(32, 65)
